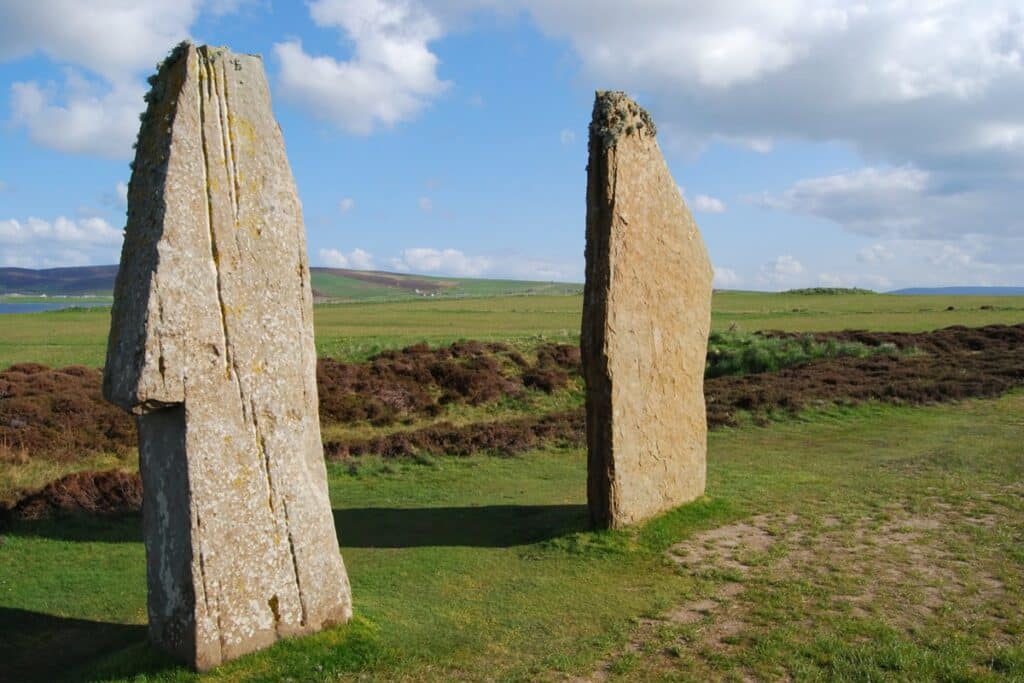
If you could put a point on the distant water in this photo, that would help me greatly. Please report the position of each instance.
(48, 306)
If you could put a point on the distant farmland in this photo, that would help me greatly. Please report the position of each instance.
(329, 284)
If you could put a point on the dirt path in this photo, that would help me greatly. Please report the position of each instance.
(895, 571)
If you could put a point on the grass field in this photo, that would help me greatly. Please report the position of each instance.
(353, 289)
(857, 543)
(894, 549)
(340, 285)
(357, 330)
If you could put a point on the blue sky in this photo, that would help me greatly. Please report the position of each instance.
(818, 142)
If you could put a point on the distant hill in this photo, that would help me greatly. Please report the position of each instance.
(831, 291)
(329, 284)
(963, 291)
(98, 280)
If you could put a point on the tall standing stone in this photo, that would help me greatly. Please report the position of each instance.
(211, 345)
(646, 318)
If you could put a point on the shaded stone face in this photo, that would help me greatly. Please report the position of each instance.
(646, 318)
(211, 345)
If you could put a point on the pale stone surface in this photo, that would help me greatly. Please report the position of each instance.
(646, 318)
(211, 345)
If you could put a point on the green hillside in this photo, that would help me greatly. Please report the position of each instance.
(329, 284)
(335, 284)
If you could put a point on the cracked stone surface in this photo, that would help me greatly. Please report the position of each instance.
(211, 346)
(646, 319)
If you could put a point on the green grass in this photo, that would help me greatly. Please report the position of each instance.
(481, 568)
(357, 330)
(343, 288)
(353, 289)
(738, 353)
(754, 311)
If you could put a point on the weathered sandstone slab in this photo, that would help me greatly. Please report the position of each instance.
(646, 318)
(211, 345)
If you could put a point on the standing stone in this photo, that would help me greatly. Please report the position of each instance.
(646, 317)
(211, 345)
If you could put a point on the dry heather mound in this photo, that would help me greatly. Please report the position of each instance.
(951, 364)
(97, 493)
(60, 414)
(505, 437)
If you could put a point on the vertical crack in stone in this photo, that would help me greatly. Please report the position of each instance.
(202, 559)
(227, 144)
(205, 585)
(204, 79)
(261, 448)
(230, 366)
(295, 560)
(161, 364)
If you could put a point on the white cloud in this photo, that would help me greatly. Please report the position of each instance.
(818, 69)
(121, 190)
(37, 243)
(950, 256)
(113, 40)
(357, 259)
(516, 265)
(49, 258)
(476, 101)
(706, 204)
(85, 231)
(726, 278)
(782, 271)
(446, 261)
(862, 280)
(509, 264)
(346, 205)
(391, 75)
(903, 202)
(876, 253)
(717, 46)
(425, 204)
(567, 136)
(79, 117)
(361, 260)
(935, 89)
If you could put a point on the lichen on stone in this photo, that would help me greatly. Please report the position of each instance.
(615, 115)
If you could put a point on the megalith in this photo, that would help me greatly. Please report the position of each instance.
(211, 346)
(646, 318)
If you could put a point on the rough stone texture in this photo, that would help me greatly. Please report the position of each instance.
(646, 317)
(211, 345)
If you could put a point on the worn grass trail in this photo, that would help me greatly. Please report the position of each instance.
(482, 568)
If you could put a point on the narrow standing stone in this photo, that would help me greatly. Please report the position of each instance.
(211, 345)
(646, 317)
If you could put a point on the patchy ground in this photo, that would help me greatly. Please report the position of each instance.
(873, 543)
(908, 571)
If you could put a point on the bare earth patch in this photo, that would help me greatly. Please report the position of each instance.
(898, 568)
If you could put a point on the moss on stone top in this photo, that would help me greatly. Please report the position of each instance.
(616, 114)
